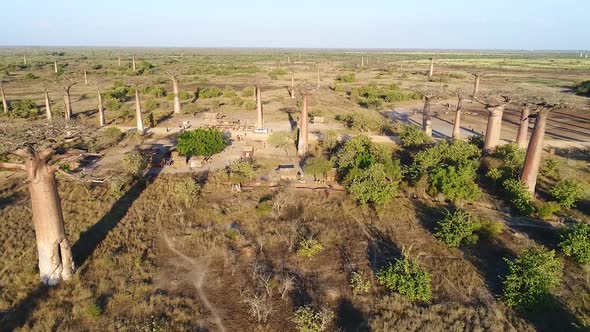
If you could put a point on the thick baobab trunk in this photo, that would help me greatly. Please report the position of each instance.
(476, 84)
(133, 62)
(67, 105)
(85, 77)
(176, 96)
(426, 117)
(4, 101)
(259, 119)
(55, 254)
(457, 123)
(47, 105)
(431, 71)
(532, 161)
(362, 61)
(494, 128)
(140, 127)
(292, 85)
(25, 59)
(119, 61)
(523, 128)
(55, 66)
(101, 118)
(303, 121)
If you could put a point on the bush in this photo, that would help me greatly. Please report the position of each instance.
(550, 168)
(371, 185)
(476, 140)
(519, 196)
(568, 192)
(111, 136)
(187, 190)
(317, 166)
(265, 206)
(456, 228)
(92, 311)
(25, 108)
(228, 92)
(275, 73)
(412, 136)
(212, 92)
(489, 228)
(242, 169)
(575, 242)
(359, 283)
(548, 209)
(374, 96)
(345, 78)
(154, 91)
(582, 88)
(309, 248)
(151, 105)
(30, 76)
(361, 122)
(406, 277)
(135, 163)
(309, 320)
(247, 92)
(201, 142)
(531, 277)
(456, 183)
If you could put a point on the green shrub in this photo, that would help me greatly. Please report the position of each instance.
(582, 88)
(489, 228)
(309, 248)
(412, 136)
(30, 76)
(550, 168)
(264, 206)
(568, 192)
(317, 166)
(201, 142)
(249, 105)
(406, 277)
(359, 283)
(371, 185)
(519, 196)
(456, 228)
(212, 92)
(346, 78)
(575, 242)
(151, 105)
(154, 91)
(111, 136)
(25, 108)
(548, 209)
(456, 183)
(373, 96)
(247, 92)
(242, 169)
(531, 277)
(185, 95)
(135, 163)
(92, 311)
(228, 92)
(512, 159)
(476, 140)
(275, 73)
(309, 320)
(362, 122)
(187, 190)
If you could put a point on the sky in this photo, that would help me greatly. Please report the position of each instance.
(425, 24)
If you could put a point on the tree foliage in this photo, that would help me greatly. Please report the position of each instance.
(456, 228)
(575, 242)
(406, 277)
(201, 142)
(318, 166)
(412, 136)
(519, 197)
(568, 192)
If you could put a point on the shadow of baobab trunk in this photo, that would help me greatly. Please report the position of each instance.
(93, 236)
(18, 316)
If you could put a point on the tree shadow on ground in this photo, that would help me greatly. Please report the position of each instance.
(381, 250)
(290, 111)
(349, 318)
(553, 316)
(19, 315)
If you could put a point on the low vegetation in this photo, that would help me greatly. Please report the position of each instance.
(407, 277)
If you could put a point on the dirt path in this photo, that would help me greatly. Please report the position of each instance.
(197, 275)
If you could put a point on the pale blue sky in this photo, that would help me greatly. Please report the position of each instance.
(473, 24)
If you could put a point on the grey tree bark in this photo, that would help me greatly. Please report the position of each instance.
(427, 117)
(303, 133)
(530, 170)
(259, 115)
(101, 117)
(140, 127)
(48, 113)
(523, 127)
(457, 123)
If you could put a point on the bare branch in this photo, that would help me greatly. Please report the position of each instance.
(13, 166)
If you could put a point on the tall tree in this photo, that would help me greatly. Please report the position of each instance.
(85, 77)
(477, 76)
(133, 62)
(48, 113)
(174, 77)
(138, 117)
(33, 148)
(101, 117)
(495, 103)
(292, 85)
(66, 84)
(259, 115)
(429, 93)
(523, 125)
(431, 71)
(457, 123)
(302, 146)
(542, 105)
(4, 101)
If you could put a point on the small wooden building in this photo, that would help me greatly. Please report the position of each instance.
(287, 172)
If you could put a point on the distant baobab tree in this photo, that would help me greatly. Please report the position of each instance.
(477, 76)
(101, 115)
(259, 114)
(542, 105)
(292, 91)
(25, 59)
(85, 77)
(495, 103)
(523, 124)
(431, 71)
(457, 123)
(133, 62)
(302, 146)
(119, 61)
(428, 93)
(174, 77)
(4, 101)
(55, 66)
(138, 117)
(48, 113)
(66, 84)
(36, 148)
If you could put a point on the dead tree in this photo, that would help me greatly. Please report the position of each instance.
(259, 115)
(431, 71)
(174, 77)
(302, 146)
(48, 113)
(101, 117)
(428, 93)
(66, 84)
(32, 147)
(523, 125)
(541, 105)
(4, 101)
(477, 76)
(140, 127)
(457, 123)
(494, 102)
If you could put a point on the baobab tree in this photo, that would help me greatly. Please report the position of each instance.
(174, 77)
(101, 117)
(85, 77)
(133, 62)
(259, 115)
(48, 113)
(541, 104)
(66, 84)
(305, 91)
(523, 124)
(140, 127)
(55, 66)
(457, 123)
(292, 91)
(495, 103)
(428, 93)
(4, 101)
(431, 71)
(33, 149)
(477, 75)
